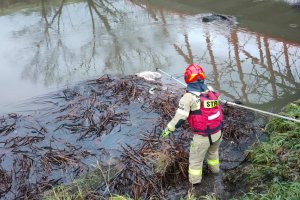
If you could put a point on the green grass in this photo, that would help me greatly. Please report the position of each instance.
(118, 197)
(278, 191)
(274, 172)
(85, 186)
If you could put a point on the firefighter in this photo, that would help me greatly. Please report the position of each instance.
(200, 106)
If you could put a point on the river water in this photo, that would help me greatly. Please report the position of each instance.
(47, 45)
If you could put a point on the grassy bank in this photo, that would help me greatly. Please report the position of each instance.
(85, 186)
(274, 172)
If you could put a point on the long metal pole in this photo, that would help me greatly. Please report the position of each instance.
(237, 105)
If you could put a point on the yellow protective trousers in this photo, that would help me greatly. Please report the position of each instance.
(199, 147)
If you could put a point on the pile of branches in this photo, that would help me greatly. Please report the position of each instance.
(50, 146)
(94, 111)
(5, 183)
(159, 164)
(152, 168)
(239, 123)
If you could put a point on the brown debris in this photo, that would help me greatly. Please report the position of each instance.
(5, 183)
(152, 168)
(39, 148)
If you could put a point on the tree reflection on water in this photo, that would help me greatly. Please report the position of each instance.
(93, 37)
(258, 70)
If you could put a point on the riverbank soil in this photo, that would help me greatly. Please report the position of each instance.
(113, 122)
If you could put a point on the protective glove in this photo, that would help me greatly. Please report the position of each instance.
(165, 133)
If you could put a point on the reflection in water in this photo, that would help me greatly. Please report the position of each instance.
(291, 1)
(54, 46)
(235, 42)
(189, 57)
(246, 76)
(259, 82)
(212, 61)
(72, 42)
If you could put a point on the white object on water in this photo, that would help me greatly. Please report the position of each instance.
(149, 76)
(151, 90)
(293, 25)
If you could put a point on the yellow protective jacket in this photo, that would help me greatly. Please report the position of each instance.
(188, 102)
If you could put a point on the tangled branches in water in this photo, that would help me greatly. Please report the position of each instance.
(56, 143)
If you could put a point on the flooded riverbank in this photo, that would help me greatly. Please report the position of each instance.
(102, 120)
(55, 124)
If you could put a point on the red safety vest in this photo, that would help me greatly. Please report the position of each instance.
(207, 120)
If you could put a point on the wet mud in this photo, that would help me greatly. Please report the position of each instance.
(116, 121)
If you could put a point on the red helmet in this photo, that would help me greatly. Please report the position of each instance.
(193, 72)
